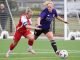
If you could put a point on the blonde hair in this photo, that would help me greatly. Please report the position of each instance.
(47, 2)
(28, 10)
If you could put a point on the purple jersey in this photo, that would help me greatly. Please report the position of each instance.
(46, 18)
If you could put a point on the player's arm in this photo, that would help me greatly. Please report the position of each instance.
(38, 21)
(61, 19)
(32, 27)
(25, 23)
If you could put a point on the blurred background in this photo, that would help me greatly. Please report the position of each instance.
(10, 11)
(13, 9)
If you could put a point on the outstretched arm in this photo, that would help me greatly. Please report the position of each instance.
(32, 27)
(25, 23)
(61, 19)
(38, 21)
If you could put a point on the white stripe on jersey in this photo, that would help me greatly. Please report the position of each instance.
(25, 21)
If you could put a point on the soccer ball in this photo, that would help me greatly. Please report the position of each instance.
(63, 54)
(4, 34)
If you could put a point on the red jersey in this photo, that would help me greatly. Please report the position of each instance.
(22, 23)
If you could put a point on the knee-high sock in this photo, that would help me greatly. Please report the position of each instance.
(30, 42)
(53, 44)
(12, 46)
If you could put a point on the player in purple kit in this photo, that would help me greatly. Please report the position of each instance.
(44, 20)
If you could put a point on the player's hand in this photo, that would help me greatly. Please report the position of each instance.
(66, 22)
(38, 28)
(38, 25)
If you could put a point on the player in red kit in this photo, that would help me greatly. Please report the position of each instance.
(23, 29)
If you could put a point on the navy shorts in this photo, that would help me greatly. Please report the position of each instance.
(37, 33)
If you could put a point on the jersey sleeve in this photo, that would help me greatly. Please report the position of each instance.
(24, 20)
(56, 13)
(42, 14)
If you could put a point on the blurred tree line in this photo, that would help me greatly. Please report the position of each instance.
(15, 8)
(12, 4)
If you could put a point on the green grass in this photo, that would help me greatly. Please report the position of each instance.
(43, 49)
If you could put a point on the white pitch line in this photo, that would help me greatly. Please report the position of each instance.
(39, 57)
(46, 52)
(27, 53)
(30, 57)
(52, 50)
(39, 52)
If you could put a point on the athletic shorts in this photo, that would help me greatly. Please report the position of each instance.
(39, 32)
(19, 34)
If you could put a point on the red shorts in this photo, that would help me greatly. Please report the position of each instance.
(18, 34)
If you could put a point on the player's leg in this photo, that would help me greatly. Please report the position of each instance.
(16, 38)
(31, 42)
(36, 34)
(28, 34)
(52, 40)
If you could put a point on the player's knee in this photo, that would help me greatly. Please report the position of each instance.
(32, 38)
(50, 37)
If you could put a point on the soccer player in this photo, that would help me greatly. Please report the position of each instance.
(44, 20)
(22, 29)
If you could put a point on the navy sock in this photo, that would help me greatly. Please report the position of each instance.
(53, 44)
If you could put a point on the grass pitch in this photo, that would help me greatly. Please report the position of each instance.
(43, 50)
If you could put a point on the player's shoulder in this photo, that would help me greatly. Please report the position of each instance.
(54, 10)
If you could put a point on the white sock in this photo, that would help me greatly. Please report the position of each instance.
(9, 51)
(30, 47)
